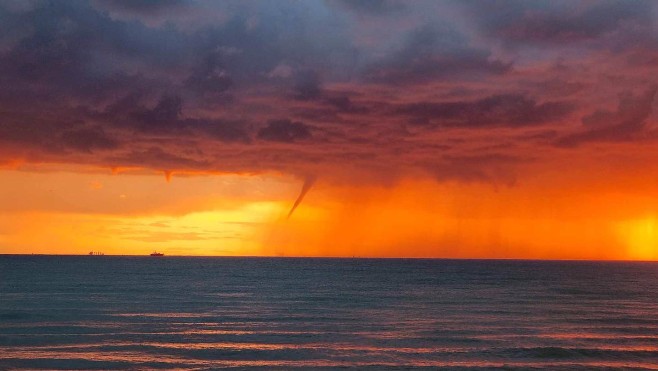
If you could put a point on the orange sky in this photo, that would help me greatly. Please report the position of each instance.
(55, 209)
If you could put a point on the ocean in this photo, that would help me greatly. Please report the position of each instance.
(106, 312)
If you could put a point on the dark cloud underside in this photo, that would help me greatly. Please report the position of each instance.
(361, 89)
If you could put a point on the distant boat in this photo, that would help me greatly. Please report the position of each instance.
(96, 253)
(155, 253)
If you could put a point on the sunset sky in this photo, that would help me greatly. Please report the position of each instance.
(459, 129)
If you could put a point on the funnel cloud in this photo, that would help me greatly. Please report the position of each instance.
(308, 183)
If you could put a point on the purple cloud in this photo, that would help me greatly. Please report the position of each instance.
(361, 90)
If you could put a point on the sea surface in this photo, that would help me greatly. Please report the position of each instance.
(103, 312)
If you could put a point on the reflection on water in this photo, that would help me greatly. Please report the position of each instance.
(196, 313)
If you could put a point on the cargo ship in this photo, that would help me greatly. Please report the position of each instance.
(155, 253)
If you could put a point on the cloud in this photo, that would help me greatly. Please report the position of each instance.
(308, 184)
(432, 52)
(284, 131)
(158, 159)
(627, 123)
(371, 7)
(357, 91)
(556, 22)
(166, 117)
(210, 76)
(344, 104)
(506, 110)
(89, 139)
(142, 6)
(307, 85)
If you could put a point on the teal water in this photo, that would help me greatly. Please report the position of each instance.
(103, 312)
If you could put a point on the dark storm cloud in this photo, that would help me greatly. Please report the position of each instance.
(344, 104)
(166, 117)
(432, 52)
(53, 54)
(371, 7)
(554, 22)
(75, 48)
(210, 76)
(88, 139)
(70, 47)
(59, 136)
(157, 158)
(290, 86)
(222, 130)
(509, 110)
(284, 131)
(307, 85)
(628, 122)
(142, 6)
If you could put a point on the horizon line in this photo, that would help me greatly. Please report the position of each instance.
(341, 257)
